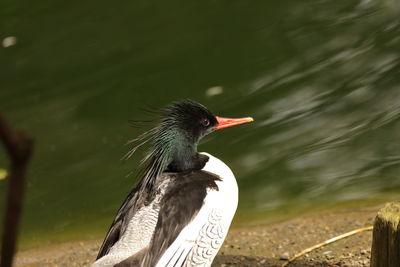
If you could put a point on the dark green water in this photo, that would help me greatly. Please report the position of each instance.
(321, 78)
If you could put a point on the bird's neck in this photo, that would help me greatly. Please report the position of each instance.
(188, 161)
(173, 151)
(184, 157)
(181, 151)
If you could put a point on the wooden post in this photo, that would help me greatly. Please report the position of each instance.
(19, 148)
(385, 250)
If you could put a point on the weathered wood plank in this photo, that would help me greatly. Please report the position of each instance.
(386, 237)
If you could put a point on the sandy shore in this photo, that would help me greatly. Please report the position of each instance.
(253, 245)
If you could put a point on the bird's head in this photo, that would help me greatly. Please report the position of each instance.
(175, 138)
(193, 120)
(189, 120)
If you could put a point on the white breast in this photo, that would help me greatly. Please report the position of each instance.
(199, 242)
(226, 197)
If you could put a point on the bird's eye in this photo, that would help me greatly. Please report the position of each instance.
(205, 122)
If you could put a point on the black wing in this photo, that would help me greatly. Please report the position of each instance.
(181, 202)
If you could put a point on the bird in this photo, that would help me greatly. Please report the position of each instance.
(180, 211)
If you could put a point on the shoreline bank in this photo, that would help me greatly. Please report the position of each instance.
(255, 245)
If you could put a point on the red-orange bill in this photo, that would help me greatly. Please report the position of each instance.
(228, 122)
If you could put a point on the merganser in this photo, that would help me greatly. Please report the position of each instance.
(179, 213)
